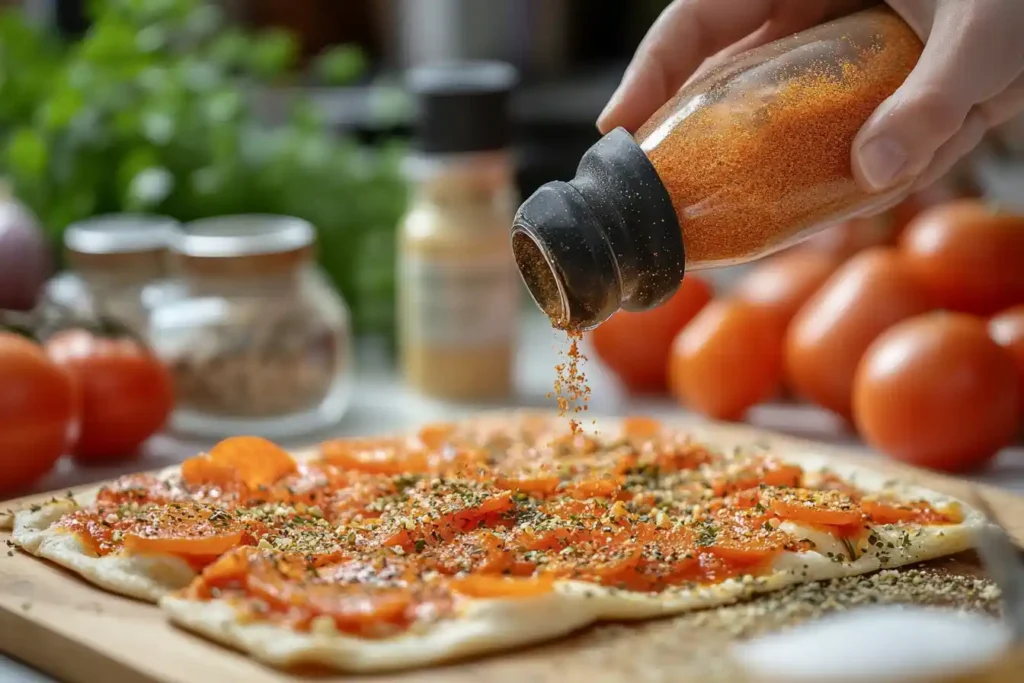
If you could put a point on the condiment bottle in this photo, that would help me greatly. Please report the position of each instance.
(748, 159)
(117, 267)
(458, 291)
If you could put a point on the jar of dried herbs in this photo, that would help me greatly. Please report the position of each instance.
(257, 340)
(117, 268)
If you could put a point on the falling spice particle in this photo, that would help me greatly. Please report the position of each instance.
(571, 388)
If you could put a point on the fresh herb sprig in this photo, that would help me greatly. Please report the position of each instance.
(154, 110)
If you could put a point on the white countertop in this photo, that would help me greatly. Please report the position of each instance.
(383, 405)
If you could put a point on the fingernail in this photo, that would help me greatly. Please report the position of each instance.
(882, 161)
(612, 101)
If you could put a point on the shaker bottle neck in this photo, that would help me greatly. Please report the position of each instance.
(607, 239)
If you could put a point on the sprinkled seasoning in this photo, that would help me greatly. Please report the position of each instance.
(571, 388)
(695, 646)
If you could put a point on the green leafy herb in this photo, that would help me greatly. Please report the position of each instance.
(160, 108)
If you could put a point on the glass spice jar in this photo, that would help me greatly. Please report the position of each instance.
(748, 159)
(257, 340)
(117, 268)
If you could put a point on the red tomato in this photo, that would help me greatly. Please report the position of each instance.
(852, 236)
(1007, 329)
(828, 336)
(727, 359)
(636, 346)
(936, 391)
(781, 284)
(957, 184)
(38, 402)
(127, 394)
(967, 256)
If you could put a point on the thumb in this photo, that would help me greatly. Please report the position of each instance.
(967, 60)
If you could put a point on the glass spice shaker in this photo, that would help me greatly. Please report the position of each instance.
(458, 291)
(117, 267)
(748, 159)
(256, 339)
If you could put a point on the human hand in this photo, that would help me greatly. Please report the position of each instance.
(969, 78)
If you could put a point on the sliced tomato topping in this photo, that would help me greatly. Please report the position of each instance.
(183, 529)
(610, 564)
(642, 427)
(436, 435)
(231, 566)
(476, 516)
(881, 512)
(681, 458)
(552, 539)
(483, 586)
(365, 609)
(201, 469)
(478, 552)
(780, 474)
(374, 457)
(212, 545)
(251, 460)
(742, 536)
(539, 485)
(806, 512)
(594, 488)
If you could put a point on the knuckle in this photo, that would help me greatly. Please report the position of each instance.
(937, 113)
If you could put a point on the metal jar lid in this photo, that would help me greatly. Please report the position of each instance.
(120, 233)
(242, 235)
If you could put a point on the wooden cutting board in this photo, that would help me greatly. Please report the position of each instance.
(61, 625)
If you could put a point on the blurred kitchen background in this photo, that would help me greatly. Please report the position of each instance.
(193, 109)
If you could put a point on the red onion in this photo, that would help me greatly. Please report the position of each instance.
(26, 261)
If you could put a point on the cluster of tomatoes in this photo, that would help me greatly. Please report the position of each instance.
(912, 334)
(97, 398)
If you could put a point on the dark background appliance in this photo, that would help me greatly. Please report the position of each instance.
(570, 54)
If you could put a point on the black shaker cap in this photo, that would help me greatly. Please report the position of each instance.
(463, 106)
(607, 239)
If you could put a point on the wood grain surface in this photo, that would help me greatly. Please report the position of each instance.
(61, 625)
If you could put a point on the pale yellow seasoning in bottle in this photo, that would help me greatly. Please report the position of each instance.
(459, 289)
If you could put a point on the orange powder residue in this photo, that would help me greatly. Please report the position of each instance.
(571, 388)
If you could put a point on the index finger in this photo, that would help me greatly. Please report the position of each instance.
(685, 33)
(689, 31)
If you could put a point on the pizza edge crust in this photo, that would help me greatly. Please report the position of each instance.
(145, 577)
(483, 626)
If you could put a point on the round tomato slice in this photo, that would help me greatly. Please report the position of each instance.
(893, 513)
(817, 507)
(375, 456)
(479, 552)
(183, 545)
(485, 586)
(191, 529)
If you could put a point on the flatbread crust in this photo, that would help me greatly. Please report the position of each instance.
(145, 577)
(481, 626)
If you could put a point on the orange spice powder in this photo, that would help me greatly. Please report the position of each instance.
(757, 168)
(571, 388)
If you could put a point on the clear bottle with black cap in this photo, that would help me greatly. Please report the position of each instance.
(747, 159)
(459, 291)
